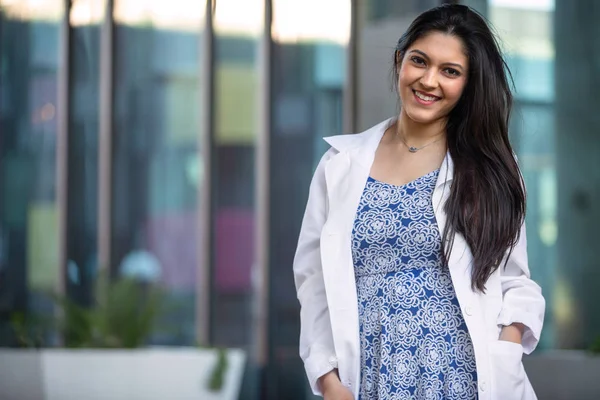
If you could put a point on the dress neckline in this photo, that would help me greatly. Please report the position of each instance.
(427, 175)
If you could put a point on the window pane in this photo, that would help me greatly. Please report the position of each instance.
(85, 18)
(156, 167)
(550, 46)
(308, 76)
(30, 48)
(237, 25)
(390, 10)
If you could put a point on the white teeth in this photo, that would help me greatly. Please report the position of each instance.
(425, 98)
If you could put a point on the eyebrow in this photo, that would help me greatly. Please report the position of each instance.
(427, 57)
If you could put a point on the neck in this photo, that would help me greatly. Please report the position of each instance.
(417, 133)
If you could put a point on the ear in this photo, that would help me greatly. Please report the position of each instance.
(398, 64)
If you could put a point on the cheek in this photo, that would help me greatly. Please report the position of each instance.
(454, 91)
(405, 80)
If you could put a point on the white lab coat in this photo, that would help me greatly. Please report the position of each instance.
(324, 277)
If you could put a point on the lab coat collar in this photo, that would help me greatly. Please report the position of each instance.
(361, 147)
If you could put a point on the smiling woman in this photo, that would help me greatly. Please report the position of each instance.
(432, 76)
(411, 266)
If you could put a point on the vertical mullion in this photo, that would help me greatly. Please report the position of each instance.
(350, 84)
(205, 203)
(105, 146)
(262, 192)
(62, 148)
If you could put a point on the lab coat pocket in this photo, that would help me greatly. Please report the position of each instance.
(510, 381)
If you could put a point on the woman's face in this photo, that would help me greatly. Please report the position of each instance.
(432, 77)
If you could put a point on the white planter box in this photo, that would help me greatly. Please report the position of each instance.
(564, 374)
(144, 374)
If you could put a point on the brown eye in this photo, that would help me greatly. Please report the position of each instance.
(417, 60)
(452, 72)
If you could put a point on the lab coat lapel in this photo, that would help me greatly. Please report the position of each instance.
(346, 174)
(458, 259)
(345, 182)
(459, 262)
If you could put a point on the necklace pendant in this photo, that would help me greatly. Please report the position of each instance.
(413, 149)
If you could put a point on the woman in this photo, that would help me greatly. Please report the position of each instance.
(411, 267)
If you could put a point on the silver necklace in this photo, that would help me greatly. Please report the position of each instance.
(413, 149)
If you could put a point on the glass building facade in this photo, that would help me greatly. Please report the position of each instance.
(175, 141)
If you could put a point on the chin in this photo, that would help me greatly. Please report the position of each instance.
(422, 116)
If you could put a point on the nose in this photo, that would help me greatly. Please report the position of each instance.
(429, 79)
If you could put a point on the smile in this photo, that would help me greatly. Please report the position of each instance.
(424, 98)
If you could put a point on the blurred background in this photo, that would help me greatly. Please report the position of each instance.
(173, 141)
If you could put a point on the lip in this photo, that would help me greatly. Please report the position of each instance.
(423, 102)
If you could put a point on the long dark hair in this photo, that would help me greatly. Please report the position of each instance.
(487, 196)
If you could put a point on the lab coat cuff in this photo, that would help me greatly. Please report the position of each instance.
(315, 369)
(533, 327)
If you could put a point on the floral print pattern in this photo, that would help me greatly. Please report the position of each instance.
(414, 341)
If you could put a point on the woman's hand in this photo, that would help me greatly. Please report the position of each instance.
(512, 333)
(332, 388)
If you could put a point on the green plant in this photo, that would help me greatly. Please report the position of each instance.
(29, 330)
(217, 376)
(595, 347)
(123, 315)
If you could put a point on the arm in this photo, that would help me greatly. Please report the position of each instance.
(523, 305)
(316, 339)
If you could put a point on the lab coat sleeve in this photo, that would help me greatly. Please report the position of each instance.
(522, 297)
(316, 339)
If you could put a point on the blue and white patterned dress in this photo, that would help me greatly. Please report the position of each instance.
(414, 340)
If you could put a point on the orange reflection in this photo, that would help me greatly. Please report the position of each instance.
(47, 112)
(43, 114)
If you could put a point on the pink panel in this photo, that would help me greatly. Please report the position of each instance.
(173, 239)
(235, 250)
